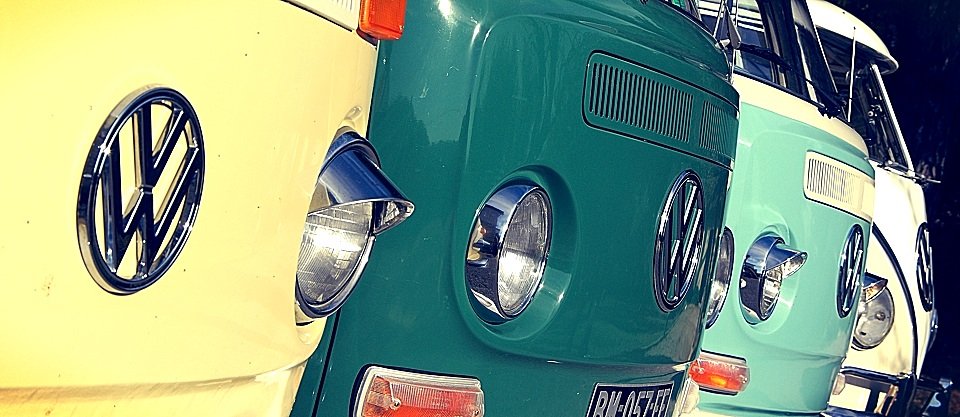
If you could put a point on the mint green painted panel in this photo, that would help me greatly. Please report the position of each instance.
(624, 97)
(485, 93)
(795, 355)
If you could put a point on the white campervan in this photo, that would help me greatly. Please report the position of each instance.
(896, 320)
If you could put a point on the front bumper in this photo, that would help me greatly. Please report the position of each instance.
(269, 394)
(888, 394)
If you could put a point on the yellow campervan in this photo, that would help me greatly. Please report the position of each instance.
(187, 193)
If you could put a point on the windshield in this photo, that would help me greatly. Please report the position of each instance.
(778, 44)
(819, 84)
(872, 116)
(752, 28)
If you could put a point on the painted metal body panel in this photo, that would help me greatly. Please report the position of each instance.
(833, 19)
(901, 212)
(796, 353)
(272, 84)
(490, 92)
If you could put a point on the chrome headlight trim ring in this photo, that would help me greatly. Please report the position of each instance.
(769, 261)
(723, 275)
(880, 309)
(350, 184)
(482, 270)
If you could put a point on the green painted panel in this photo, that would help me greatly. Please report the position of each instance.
(627, 98)
(485, 93)
(795, 355)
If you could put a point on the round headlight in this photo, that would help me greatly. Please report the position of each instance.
(721, 278)
(353, 202)
(874, 321)
(333, 248)
(769, 261)
(507, 252)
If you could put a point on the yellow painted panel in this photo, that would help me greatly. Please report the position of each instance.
(271, 83)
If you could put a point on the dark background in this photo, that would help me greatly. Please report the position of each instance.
(924, 37)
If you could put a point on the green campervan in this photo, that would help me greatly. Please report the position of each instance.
(798, 216)
(570, 162)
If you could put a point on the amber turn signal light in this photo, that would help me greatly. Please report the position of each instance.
(382, 19)
(393, 393)
(717, 373)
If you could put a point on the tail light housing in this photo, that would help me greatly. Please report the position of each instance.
(719, 373)
(388, 392)
(382, 19)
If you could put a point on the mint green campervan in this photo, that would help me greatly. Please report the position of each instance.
(570, 162)
(798, 216)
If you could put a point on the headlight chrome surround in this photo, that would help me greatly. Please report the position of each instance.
(722, 277)
(769, 261)
(353, 202)
(874, 319)
(514, 224)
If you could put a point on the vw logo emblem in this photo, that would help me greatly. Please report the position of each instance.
(925, 267)
(679, 244)
(140, 190)
(851, 264)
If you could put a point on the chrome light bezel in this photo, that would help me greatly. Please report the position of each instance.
(482, 269)
(882, 297)
(765, 256)
(351, 175)
(723, 275)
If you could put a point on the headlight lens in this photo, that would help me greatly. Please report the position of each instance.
(874, 321)
(334, 243)
(722, 276)
(353, 202)
(769, 261)
(507, 252)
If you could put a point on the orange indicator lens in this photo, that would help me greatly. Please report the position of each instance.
(382, 19)
(720, 373)
(388, 392)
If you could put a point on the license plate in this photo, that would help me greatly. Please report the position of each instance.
(626, 400)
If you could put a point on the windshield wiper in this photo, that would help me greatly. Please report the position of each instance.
(766, 53)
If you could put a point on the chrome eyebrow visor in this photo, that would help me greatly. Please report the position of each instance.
(352, 175)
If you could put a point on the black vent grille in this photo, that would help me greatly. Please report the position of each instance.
(625, 97)
(718, 124)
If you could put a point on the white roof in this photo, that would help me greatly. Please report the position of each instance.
(831, 18)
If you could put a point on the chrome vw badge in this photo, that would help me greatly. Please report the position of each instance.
(140, 186)
(679, 244)
(925, 267)
(851, 265)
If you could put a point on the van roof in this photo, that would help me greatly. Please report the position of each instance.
(834, 22)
